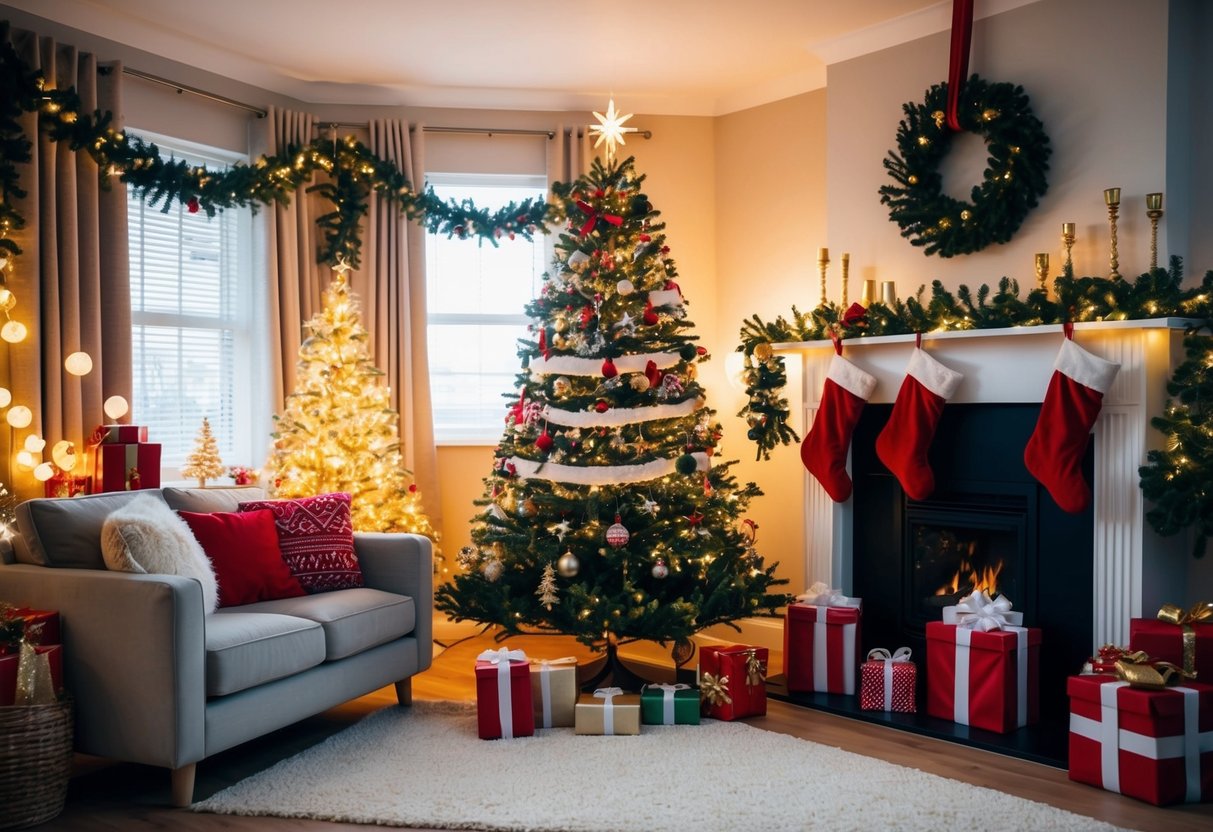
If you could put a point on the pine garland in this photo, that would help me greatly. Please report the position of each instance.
(351, 173)
(1014, 176)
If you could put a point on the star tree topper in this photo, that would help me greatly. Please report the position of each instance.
(610, 129)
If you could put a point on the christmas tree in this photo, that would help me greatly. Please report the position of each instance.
(338, 432)
(605, 471)
(203, 463)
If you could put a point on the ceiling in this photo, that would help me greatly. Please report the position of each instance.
(678, 57)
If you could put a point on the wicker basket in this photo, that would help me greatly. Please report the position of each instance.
(35, 762)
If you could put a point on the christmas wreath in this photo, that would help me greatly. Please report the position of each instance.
(1014, 176)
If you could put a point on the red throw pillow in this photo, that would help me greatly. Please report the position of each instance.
(317, 539)
(243, 548)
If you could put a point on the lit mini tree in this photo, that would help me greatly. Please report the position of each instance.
(203, 463)
(338, 432)
(606, 470)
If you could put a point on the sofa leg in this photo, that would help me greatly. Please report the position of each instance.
(404, 692)
(183, 785)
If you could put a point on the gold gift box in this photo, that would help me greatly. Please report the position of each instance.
(625, 714)
(562, 687)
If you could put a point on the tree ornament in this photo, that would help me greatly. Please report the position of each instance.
(763, 351)
(686, 464)
(492, 570)
(649, 317)
(608, 369)
(602, 406)
(660, 570)
(578, 261)
(688, 352)
(617, 535)
(561, 386)
(527, 508)
(547, 588)
(203, 463)
(1013, 181)
(639, 383)
(468, 557)
(560, 324)
(544, 441)
(624, 287)
(568, 565)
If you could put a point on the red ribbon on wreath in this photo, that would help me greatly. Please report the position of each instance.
(592, 213)
(958, 60)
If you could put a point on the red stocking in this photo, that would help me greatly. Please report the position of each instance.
(824, 450)
(902, 445)
(1071, 406)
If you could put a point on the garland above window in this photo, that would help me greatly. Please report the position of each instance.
(1014, 176)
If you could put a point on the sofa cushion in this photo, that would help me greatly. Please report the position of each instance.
(317, 539)
(65, 532)
(205, 500)
(244, 550)
(353, 619)
(146, 536)
(246, 649)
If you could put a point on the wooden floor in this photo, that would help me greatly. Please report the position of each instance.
(119, 796)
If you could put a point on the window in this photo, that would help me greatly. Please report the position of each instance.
(476, 295)
(194, 316)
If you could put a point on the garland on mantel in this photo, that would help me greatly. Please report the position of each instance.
(352, 173)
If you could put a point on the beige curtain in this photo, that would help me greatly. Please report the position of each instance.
(296, 281)
(391, 286)
(72, 281)
(569, 154)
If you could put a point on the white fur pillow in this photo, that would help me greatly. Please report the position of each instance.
(146, 536)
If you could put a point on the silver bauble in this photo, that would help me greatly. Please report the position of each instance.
(568, 565)
(625, 287)
(660, 570)
(492, 570)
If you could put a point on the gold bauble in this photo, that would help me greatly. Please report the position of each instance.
(945, 223)
(938, 116)
(966, 215)
(912, 179)
(568, 565)
(560, 324)
(763, 351)
(639, 383)
(989, 114)
(560, 342)
(527, 508)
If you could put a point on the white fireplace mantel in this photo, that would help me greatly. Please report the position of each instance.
(1134, 569)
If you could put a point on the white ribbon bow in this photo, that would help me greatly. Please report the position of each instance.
(545, 683)
(608, 708)
(822, 595)
(667, 700)
(901, 654)
(505, 702)
(977, 611)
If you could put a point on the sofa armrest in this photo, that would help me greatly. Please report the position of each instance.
(404, 564)
(133, 658)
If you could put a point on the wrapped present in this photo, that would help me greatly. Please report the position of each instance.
(66, 484)
(10, 672)
(669, 705)
(821, 638)
(554, 691)
(120, 434)
(732, 681)
(607, 712)
(503, 695)
(1154, 744)
(983, 666)
(39, 627)
(127, 467)
(1184, 638)
(889, 682)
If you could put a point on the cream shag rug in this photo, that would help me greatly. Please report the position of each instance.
(424, 766)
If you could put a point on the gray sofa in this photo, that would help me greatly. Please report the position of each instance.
(156, 681)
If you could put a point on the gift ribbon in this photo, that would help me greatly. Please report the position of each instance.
(977, 611)
(594, 217)
(1140, 671)
(505, 701)
(755, 671)
(1113, 739)
(821, 595)
(902, 654)
(608, 708)
(1172, 614)
(715, 689)
(667, 700)
(545, 684)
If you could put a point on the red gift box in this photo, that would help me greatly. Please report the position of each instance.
(1155, 745)
(127, 467)
(1165, 641)
(63, 484)
(984, 679)
(503, 695)
(48, 634)
(121, 434)
(8, 671)
(888, 683)
(821, 647)
(742, 671)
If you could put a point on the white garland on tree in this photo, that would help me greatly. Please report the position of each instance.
(601, 474)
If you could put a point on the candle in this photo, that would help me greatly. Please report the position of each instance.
(823, 253)
(888, 293)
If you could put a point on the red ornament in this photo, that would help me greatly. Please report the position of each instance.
(650, 317)
(192, 206)
(413, 488)
(701, 350)
(671, 285)
(544, 442)
(652, 373)
(601, 406)
(617, 535)
(608, 369)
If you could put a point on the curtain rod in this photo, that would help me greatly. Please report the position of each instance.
(260, 113)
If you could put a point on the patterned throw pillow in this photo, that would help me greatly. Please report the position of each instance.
(316, 536)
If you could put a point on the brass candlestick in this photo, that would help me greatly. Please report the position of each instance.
(823, 262)
(1111, 196)
(1067, 239)
(1042, 270)
(846, 267)
(1154, 212)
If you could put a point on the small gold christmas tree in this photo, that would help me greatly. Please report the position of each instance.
(203, 463)
(338, 432)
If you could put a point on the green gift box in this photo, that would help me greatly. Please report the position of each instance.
(669, 705)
